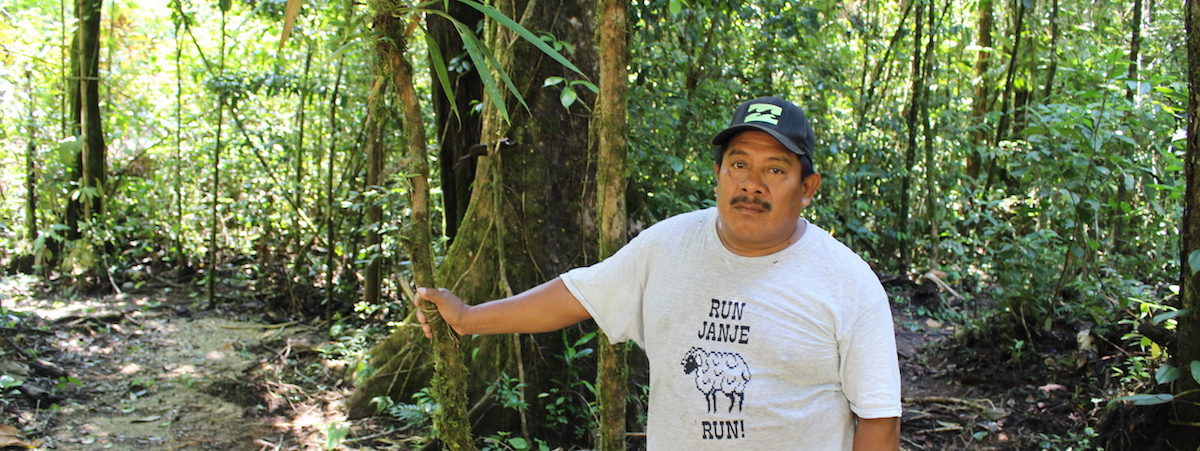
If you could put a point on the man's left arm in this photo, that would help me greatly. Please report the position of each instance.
(877, 434)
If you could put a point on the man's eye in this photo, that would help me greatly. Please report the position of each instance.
(776, 171)
(738, 165)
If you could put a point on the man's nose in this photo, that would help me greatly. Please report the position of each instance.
(752, 183)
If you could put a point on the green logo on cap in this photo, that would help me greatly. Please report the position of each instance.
(763, 112)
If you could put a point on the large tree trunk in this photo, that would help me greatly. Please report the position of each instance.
(981, 105)
(910, 151)
(74, 128)
(330, 164)
(94, 170)
(1053, 51)
(610, 187)
(376, 150)
(458, 125)
(1011, 73)
(26, 262)
(527, 221)
(215, 190)
(1122, 219)
(449, 382)
(1186, 429)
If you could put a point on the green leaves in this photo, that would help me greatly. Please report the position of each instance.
(568, 95)
(439, 71)
(1159, 318)
(1193, 262)
(488, 67)
(7, 382)
(1166, 374)
(675, 6)
(502, 19)
(1148, 399)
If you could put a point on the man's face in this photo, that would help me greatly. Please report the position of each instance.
(760, 192)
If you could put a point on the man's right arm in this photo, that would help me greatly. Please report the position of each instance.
(544, 308)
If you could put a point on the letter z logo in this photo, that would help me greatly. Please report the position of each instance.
(763, 112)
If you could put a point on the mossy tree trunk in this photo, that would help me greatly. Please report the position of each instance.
(1186, 424)
(981, 104)
(527, 219)
(610, 187)
(94, 167)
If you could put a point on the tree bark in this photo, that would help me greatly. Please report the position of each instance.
(1053, 51)
(215, 190)
(177, 181)
(375, 147)
(27, 261)
(870, 83)
(75, 127)
(450, 374)
(527, 220)
(910, 153)
(1121, 219)
(330, 164)
(1185, 432)
(458, 133)
(1011, 74)
(610, 187)
(94, 171)
(932, 213)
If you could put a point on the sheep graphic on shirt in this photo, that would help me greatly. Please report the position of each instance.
(723, 372)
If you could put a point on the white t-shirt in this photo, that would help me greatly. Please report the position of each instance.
(773, 352)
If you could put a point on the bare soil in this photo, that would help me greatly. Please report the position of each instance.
(153, 371)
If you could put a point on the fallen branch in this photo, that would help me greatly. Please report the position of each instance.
(948, 400)
(953, 428)
(259, 326)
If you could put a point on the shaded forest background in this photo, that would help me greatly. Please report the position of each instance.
(1014, 168)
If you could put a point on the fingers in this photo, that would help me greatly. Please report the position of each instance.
(424, 324)
(447, 304)
(421, 313)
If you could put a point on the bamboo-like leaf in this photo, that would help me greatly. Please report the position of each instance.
(524, 33)
(439, 70)
(481, 66)
(504, 76)
(289, 20)
(1195, 367)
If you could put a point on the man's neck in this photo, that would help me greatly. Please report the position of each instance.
(766, 249)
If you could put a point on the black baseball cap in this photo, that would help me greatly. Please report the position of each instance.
(781, 119)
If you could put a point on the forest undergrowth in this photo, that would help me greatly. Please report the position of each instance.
(155, 369)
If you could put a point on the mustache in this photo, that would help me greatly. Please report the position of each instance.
(766, 206)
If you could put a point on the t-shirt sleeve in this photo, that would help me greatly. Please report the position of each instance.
(612, 289)
(870, 370)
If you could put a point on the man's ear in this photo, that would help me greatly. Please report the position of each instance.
(809, 188)
(716, 175)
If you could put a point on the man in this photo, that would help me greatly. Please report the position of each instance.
(762, 331)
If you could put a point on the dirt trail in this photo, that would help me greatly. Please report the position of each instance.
(155, 373)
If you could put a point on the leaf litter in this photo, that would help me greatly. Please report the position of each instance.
(153, 371)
